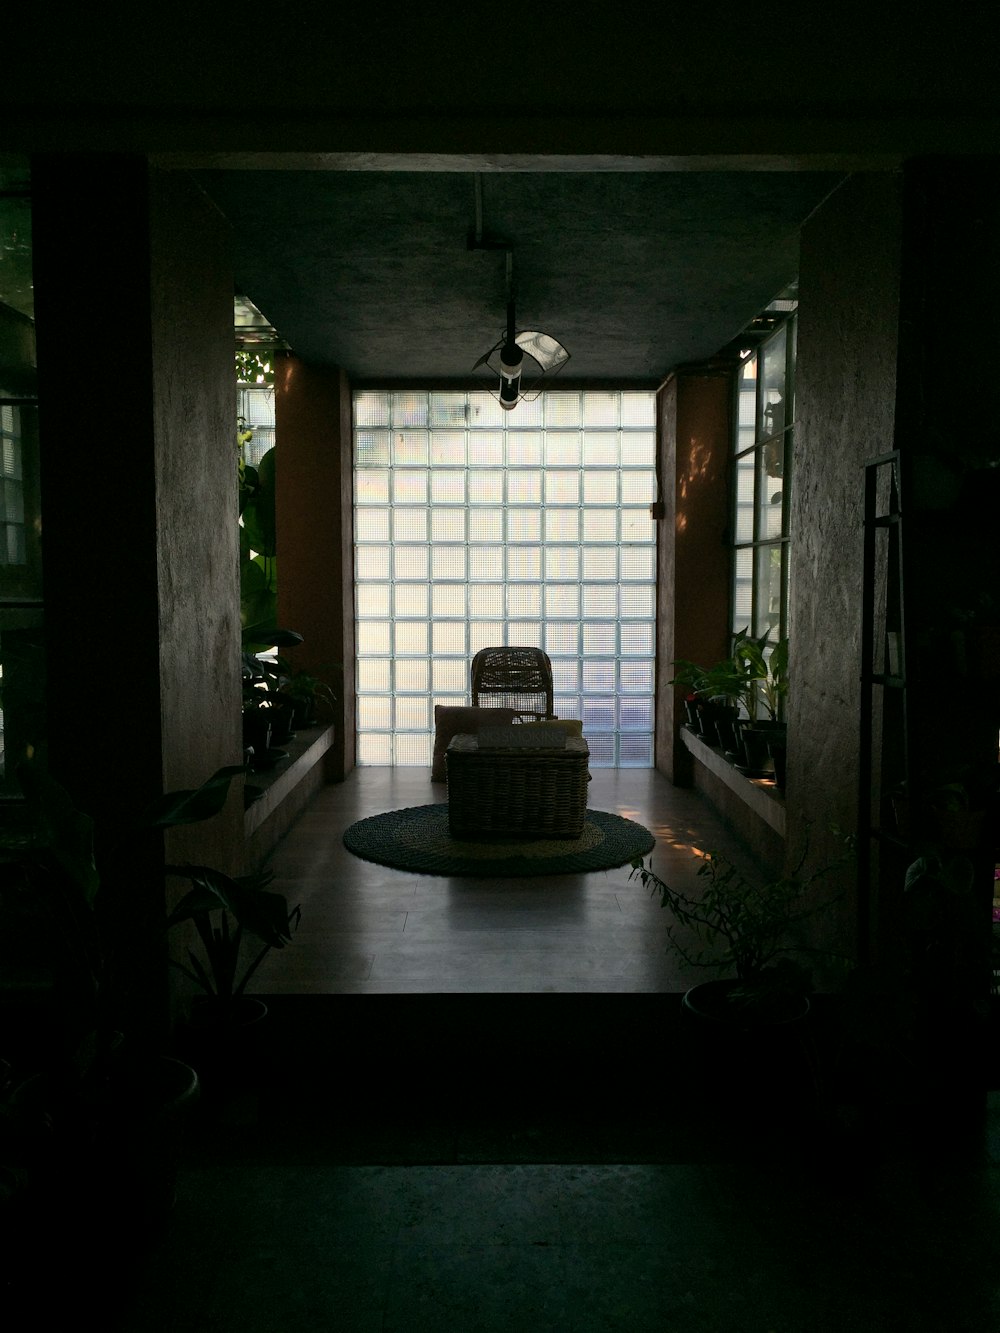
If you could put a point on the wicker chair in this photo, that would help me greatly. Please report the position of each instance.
(519, 678)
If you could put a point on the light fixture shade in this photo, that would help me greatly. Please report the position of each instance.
(544, 349)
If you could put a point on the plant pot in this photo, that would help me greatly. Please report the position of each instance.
(257, 729)
(303, 712)
(224, 1041)
(108, 1151)
(281, 718)
(757, 737)
(711, 715)
(778, 750)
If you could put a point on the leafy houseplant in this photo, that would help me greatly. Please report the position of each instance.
(744, 928)
(224, 911)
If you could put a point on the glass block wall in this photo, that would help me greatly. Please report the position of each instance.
(474, 527)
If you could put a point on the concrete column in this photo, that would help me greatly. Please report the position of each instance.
(694, 443)
(314, 486)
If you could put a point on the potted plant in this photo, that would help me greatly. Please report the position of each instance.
(767, 685)
(238, 921)
(745, 928)
(309, 696)
(102, 1112)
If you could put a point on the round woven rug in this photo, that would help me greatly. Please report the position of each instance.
(418, 839)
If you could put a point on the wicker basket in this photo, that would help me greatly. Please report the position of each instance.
(527, 793)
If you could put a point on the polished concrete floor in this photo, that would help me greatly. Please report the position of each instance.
(476, 1111)
(370, 930)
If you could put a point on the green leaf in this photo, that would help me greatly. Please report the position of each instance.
(254, 908)
(192, 807)
(66, 832)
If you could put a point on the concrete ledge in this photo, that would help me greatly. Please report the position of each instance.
(286, 791)
(753, 806)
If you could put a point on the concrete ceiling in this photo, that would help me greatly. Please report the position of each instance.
(634, 271)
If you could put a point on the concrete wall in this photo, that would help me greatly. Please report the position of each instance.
(845, 400)
(315, 524)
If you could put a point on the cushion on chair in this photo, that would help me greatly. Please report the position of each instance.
(458, 721)
(571, 726)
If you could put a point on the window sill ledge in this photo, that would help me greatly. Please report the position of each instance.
(759, 794)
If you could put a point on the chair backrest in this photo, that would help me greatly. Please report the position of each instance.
(519, 678)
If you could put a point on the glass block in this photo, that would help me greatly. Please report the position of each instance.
(638, 487)
(566, 677)
(450, 676)
(412, 714)
(486, 563)
(600, 448)
(410, 562)
(635, 714)
(562, 487)
(12, 465)
(448, 562)
(745, 469)
(410, 448)
(409, 409)
(448, 409)
(448, 448)
(637, 600)
(448, 525)
(486, 487)
(373, 637)
(448, 639)
(371, 525)
(16, 551)
(448, 486)
(372, 600)
(639, 410)
(562, 409)
(563, 448)
(600, 600)
(524, 525)
(374, 713)
(600, 409)
(527, 415)
(7, 413)
(524, 562)
(450, 700)
(412, 751)
(371, 448)
(635, 751)
(410, 638)
(769, 585)
(371, 486)
(486, 448)
(637, 640)
(413, 675)
(373, 750)
(598, 677)
(602, 751)
(371, 562)
(486, 526)
(485, 634)
(524, 449)
(599, 639)
(525, 633)
(562, 562)
(562, 640)
(411, 599)
(635, 677)
(600, 525)
(637, 525)
(600, 488)
(562, 601)
(638, 563)
(566, 705)
(524, 487)
(485, 412)
(374, 675)
(409, 486)
(448, 600)
(372, 409)
(524, 601)
(598, 714)
(773, 384)
(409, 525)
(638, 449)
(486, 601)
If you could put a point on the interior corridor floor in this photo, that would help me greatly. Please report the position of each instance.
(476, 1111)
